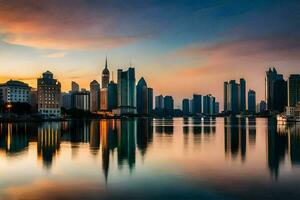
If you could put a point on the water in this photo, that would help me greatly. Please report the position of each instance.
(150, 159)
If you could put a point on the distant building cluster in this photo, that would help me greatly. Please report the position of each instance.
(125, 97)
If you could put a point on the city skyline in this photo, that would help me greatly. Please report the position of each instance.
(245, 40)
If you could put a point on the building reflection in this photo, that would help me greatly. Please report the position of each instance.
(48, 142)
(13, 138)
(126, 130)
(277, 147)
(235, 137)
(144, 135)
(185, 126)
(252, 130)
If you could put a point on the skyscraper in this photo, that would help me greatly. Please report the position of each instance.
(74, 87)
(159, 102)
(142, 97)
(271, 77)
(169, 105)
(242, 95)
(225, 96)
(251, 101)
(150, 101)
(48, 92)
(185, 107)
(197, 104)
(234, 96)
(112, 96)
(94, 96)
(293, 89)
(81, 100)
(104, 99)
(209, 104)
(105, 75)
(279, 95)
(126, 91)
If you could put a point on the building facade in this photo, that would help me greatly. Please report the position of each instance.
(234, 96)
(49, 95)
(112, 96)
(150, 100)
(293, 90)
(169, 105)
(159, 102)
(251, 101)
(126, 92)
(197, 104)
(271, 77)
(94, 96)
(142, 97)
(81, 100)
(185, 107)
(14, 91)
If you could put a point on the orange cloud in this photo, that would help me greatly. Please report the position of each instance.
(57, 25)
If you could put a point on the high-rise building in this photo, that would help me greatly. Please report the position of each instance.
(15, 91)
(251, 101)
(81, 100)
(271, 77)
(242, 95)
(48, 92)
(234, 96)
(66, 100)
(169, 105)
(279, 95)
(209, 104)
(150, 101)
(217, 108)
(142, 97)
(104, 99)
(74, 87)
(94, 96)
(262, 106)
(126, 92)
(186, 107)
(112, 96)
(225, 96)
(293, 90)
(105, 76)
(33, 99)
(197, 104)
(159, 102)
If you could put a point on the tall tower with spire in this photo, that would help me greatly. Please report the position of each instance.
(105, 75)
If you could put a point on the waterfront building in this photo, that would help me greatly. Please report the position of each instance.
(235, 96)
(251, 101)
(262, 106)
(66, 100)
(126, 92)
(142, 97)
(185, 107)
(197, 104)
(112, 96)
(293, 90)
(271, 77)
(33, 99)
(169, 105)
(159, 102)
(49, 95)
(94, 96)
(150, 100)
(104, 99)
(242, 95)
(217, 108)
(74, 87)
(105, 76)
(279, 95)
(14, 91)
(81, 100)
(209, 105)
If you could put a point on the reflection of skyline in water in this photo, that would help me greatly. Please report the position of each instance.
(121, 139)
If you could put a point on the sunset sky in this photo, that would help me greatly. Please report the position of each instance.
(180, 47)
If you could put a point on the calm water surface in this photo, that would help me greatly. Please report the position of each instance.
(232, 158)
